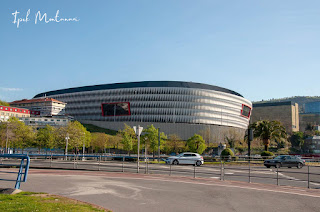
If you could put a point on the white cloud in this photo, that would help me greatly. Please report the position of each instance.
(11, 89)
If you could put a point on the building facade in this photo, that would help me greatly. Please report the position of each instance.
(6, 112)
(312, 145)
(312, 107)
(311, 115)
(42, 106)
(40, 122)
(285, 112)
(182, 108)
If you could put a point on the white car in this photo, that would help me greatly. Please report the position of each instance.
(186, 158)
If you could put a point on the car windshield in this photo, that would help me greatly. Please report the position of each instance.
(280, 157)
(180, 155)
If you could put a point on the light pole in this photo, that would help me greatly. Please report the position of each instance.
(83, 148)
(145, 149)
(7, 139)
(159, 145)
(138, 131)
(66, 151)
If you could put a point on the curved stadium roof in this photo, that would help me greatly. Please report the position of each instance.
(142, 84)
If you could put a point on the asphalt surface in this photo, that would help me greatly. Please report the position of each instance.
(140, 192)
(258, 174)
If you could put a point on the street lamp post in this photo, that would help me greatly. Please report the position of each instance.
(138, 131)
(7, 139)
(83, 148)
(159, 145)
(66, 151)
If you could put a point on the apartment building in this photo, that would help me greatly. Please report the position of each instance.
(42, 106)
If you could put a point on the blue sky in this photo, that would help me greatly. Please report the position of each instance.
(260, 49)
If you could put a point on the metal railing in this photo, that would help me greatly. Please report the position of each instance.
(249, 171)
(23, 167)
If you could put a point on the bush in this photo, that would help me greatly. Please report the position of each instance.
(226, 154)
(240, 149)
(266, 154)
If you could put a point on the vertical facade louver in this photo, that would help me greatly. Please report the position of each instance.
(158, 102)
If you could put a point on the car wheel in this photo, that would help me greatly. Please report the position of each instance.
(299, 165)
(198, 163)
(175, 162)
(268, 166)
(278, 165)
(289, 167)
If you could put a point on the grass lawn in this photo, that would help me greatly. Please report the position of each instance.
(29, 201)
(92, 128)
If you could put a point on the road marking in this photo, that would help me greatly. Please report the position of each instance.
(221, 185)
(296, 179)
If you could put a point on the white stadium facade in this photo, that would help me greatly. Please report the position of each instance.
(182, 108)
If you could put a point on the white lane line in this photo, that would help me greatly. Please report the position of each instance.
(296, 179)
(221, 185)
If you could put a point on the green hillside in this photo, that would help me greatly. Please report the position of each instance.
(92, 128)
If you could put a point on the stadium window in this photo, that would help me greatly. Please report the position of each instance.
(116, 109)
(246, 110)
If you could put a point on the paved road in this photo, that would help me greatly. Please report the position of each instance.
(139, 192)
(259, 174)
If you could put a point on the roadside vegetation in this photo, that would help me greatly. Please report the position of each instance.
(16, 135)
(270, 138)
(29, 201)
(4, 103)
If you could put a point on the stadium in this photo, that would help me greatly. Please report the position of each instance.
(182, 108)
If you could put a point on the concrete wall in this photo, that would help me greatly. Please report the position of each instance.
(211, 133)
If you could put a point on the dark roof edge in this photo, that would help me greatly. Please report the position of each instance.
(137, 85)
(268, 104)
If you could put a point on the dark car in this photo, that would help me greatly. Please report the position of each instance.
(285, 161)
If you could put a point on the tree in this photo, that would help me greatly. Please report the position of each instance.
(17, 133)
(46, 138)
(206, 135)
(268, 130)
(232, 137)
(78, 136)
(151, 137)
(196, 144)
(226, 154)
(297, 140)
(175, 144)
(6, 134)
(128, 138)
(3, 103)
(99, 141)
(115, 141)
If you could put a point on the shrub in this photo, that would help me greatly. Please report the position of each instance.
(226, 154)
(240, 149)
(266, 154)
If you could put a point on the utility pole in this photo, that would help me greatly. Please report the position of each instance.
(250, 138)
(66, 151)
(7, 139)
(159, 145)
(138, 131)
(83, 148)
